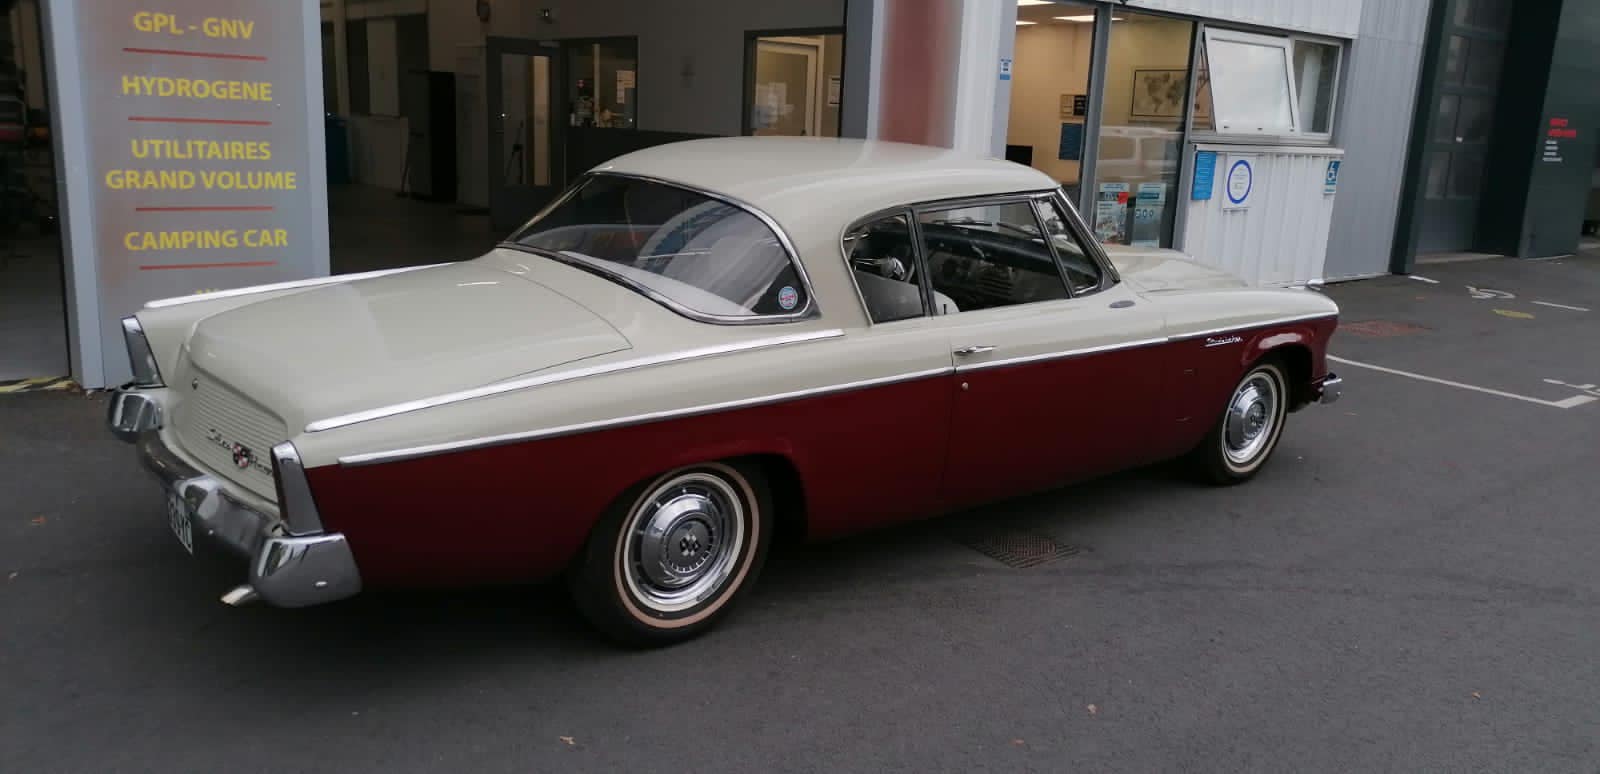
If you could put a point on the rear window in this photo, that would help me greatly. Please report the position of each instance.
(700, 255)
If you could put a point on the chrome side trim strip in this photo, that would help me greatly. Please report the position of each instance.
(540, 380)
(415, 452)
(305, 283)
(1250, 326)
(1071, 353)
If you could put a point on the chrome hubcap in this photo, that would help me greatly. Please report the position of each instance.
(1252, 415)
(683, 541)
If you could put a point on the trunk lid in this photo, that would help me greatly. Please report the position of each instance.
(351, 346)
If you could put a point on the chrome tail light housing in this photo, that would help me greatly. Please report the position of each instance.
(145, 371)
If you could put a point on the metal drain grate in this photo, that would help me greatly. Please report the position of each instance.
(1018, 549)
(1381, 329)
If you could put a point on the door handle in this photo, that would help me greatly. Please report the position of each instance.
(979, 349)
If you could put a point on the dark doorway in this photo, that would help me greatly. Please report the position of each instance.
(525, 165)
(1462, 123)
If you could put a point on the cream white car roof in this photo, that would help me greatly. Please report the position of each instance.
(790, 177)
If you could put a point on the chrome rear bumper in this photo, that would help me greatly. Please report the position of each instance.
(1330, 390)
(286, 570)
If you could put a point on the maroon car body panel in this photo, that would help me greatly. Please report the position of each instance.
(864, 458)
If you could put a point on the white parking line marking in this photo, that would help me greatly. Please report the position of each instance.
(1572, 402)
(1420, 278)
(1561, 306)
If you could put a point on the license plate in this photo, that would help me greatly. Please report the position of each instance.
(178, 517)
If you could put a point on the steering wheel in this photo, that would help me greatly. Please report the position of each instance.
(897, 264)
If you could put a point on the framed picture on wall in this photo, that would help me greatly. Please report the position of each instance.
(1161, 93)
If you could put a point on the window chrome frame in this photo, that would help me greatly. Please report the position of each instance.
(1109, 277)
(810, 311)
(902, 211)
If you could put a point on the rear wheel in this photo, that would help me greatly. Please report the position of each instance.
(1251, 424)
(670, 557)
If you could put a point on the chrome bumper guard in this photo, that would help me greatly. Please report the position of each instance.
(133, 413)
(1331, 389)
(286, 570)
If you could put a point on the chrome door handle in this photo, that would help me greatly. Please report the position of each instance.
(974, 350)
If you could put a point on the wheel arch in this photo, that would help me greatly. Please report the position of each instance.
(1295, 350)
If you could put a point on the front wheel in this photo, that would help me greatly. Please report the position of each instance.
(1246, 435)
(670, 557)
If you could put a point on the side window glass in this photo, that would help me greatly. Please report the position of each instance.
(883, 261)
(1083, 271)
(987, 256)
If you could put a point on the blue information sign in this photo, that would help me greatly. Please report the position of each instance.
(1205, 175)
(1071, 142)
(1330, 185)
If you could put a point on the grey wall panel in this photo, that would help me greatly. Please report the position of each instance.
(1374, 128)
(1338, 18)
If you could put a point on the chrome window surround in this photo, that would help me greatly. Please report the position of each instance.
(295, 505)
(811, 309)
(146, 373)
(294, 285)
(540, 380)
(1092, 248)
(415, 452)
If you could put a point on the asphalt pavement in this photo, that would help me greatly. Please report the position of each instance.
(1411, 585)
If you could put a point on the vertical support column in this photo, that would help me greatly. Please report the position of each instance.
(863, 61)
(69, 132)
(1002, 93)
(341, 57)
(1093, 121)
(978, 75)
(917, 83)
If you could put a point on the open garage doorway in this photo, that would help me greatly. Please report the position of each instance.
(33, 314)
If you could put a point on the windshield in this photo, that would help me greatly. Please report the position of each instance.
(699, 254)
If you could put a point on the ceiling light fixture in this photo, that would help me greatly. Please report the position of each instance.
(1088, 17)
(1021, 23)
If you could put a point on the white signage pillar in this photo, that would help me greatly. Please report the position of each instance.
(189, 155)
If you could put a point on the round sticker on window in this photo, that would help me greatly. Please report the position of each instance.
(788, 298)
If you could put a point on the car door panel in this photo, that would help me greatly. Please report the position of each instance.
(1070, 390)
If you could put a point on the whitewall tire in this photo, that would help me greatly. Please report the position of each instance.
(1251, 424)
(671, 556)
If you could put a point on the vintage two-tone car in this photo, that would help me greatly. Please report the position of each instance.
(695, 351)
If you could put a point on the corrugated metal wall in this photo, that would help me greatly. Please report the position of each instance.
(1374, 128)
(1279, 240)
(1339, 18)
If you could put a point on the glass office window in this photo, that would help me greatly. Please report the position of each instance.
(1050, 90)
(602, 82)
(1316, 73)
(1141, 134)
